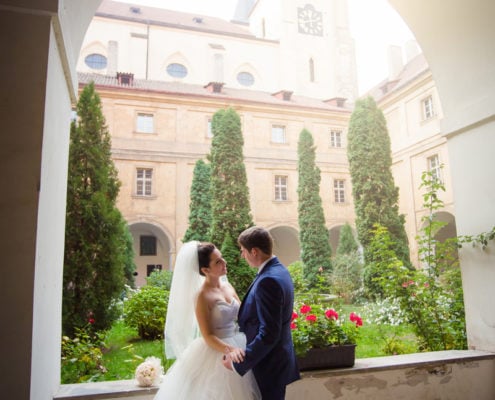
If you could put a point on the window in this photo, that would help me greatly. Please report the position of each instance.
(147, 245)
(143, 181)
(339, 190)
(96, 61)
(278, 134)
(335, 138)
(209, 132)
(280, 188)
(245, 79)
(144, 123)
(176, 70)
(435, 168)
(311, 70)
(428, 111)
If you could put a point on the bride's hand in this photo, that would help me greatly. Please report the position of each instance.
(236, 354)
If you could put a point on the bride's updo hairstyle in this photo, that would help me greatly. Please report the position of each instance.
(204, 253)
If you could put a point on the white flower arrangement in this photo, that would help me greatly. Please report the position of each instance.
(149, 372)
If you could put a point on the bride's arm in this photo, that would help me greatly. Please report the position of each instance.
(203, 317)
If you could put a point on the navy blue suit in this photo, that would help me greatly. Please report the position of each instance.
(265, 316)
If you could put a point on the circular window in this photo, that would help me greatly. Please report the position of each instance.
(176, 70)
(96, 61)
(245, 79)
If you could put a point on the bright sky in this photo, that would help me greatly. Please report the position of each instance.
(374, 26)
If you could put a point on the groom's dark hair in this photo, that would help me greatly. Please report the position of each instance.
(258, 237)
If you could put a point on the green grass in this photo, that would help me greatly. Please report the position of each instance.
(125, 350)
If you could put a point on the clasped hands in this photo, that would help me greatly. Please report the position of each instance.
(231, 355)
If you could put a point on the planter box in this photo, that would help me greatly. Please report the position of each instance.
(328, 357)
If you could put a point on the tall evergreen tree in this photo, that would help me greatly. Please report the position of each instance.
(347, 243)
(229, 190)
(96, 236)
(313, 234)
(230, 195)
(375, 194)
(200, 206)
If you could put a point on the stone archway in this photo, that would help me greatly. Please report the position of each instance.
(286, 244)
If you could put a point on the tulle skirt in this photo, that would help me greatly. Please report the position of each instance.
(200, 375)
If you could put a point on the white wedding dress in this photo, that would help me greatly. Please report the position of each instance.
(198, 374)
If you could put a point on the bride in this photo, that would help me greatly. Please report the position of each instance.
(201, 327)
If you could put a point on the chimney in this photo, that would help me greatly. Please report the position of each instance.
(125, 78)
(388, 86)
(395, 63)
(214, 87)
(284, 95)
(336, 101)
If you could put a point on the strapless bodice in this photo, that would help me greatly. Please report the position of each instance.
(224, 317)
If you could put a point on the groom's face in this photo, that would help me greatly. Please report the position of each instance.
(249, 256)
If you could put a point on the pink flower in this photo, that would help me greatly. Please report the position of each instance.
(311, 318)
(293, 326)
(305, 309)
(91, 321)
(332, 314)
(404, 285)
(294, 315)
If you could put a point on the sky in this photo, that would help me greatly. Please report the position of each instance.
(374, 26)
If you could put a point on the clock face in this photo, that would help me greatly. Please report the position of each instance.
(309, 20)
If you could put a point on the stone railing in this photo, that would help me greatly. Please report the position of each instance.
(457, 374)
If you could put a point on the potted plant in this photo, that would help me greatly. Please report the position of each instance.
(321, 339)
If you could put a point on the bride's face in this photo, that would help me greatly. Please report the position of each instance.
(217, 266)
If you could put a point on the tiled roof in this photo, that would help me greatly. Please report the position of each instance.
(411, 70)
(173, 19)
(186, 89)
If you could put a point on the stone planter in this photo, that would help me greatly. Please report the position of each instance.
(342, 356)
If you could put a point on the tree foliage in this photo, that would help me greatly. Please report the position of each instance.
(200, 206)
(97, 251)
(229, 190)
(314, 237)
(375, 194)
(347, 243)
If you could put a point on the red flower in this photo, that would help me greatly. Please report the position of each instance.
(293, 325)
(305, 309)
(294, 315)
(356, 319)
(332, 314)
(91, 321)
(311, 318)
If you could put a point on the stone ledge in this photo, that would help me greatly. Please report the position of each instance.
(129, 389)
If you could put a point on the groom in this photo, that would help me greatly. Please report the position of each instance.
(265, 316)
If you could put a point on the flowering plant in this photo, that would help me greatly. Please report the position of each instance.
(149, 372)
(316, 327)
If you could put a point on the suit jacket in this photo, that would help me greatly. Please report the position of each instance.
(264, 317)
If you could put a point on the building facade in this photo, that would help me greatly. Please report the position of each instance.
(161, 76)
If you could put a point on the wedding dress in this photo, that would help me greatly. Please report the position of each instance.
(198, 374)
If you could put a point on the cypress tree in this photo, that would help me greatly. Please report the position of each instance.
(347, 243)
(200, 206)
(230, 195)
(96, 235)
(375, 194)
(230, 210)
(314, 237)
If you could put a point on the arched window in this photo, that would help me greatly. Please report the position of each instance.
(176, 70)
(96, 61)
(245, 79)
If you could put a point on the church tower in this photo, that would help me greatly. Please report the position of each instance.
(316, 51)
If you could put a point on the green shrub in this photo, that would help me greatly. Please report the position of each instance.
(82, 357)
(296, 270)
(161, 279)
(146, 311)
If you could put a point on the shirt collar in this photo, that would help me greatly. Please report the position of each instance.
(264, 263)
